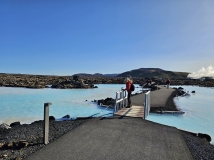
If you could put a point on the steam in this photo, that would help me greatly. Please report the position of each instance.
(203, 72)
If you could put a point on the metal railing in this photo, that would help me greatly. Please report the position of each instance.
(147, 104)
(120, 100)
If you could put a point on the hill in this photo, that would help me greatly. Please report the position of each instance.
(154, 73)
(95, 75)
(89, 75)
(111, 75)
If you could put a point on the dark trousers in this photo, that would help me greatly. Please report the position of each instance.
(129, 98)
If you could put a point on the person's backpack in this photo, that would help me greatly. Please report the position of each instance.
(132, 87)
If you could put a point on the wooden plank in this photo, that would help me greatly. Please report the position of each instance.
(134, 111)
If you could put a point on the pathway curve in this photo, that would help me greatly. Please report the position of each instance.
(158, 98)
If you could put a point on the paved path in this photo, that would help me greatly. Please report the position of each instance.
(115, 139)
(158, 97)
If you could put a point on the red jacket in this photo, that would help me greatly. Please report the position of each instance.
(128, 86)
(168, 82)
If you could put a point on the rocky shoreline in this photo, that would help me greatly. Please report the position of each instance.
(69, 82)
(38, 81)
(19, 141)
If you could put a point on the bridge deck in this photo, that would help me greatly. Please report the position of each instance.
(134, 111)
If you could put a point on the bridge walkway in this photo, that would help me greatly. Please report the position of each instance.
(134, 111)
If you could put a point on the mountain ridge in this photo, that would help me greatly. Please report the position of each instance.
(142, 73)
(154, 73)
(96, 75)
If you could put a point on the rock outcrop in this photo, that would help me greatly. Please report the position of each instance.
(106, 102)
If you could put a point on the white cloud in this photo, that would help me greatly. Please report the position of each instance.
(203, 72)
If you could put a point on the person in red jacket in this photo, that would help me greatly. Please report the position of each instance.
(168, 83)
(128, 89)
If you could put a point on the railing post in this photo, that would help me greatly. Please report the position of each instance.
(125, 98)
(145, 103)
(46, 122)
(120, 100)
(115, 105)
(121, 97)
(149, 103)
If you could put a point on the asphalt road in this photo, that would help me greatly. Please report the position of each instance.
(158, 98)
(117, 138)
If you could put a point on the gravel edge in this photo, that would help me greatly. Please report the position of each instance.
(200, 148)
(33, 135)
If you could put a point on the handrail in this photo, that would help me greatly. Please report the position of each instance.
(121, 98)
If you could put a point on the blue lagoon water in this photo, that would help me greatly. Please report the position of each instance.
(27, 105)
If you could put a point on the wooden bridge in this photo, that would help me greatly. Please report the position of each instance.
(135, 111)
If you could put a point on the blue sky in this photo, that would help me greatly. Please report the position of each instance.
(64, 37)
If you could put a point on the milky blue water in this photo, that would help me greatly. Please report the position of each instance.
(199, 112)
(27, 105)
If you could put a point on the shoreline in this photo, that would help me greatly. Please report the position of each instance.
(72, 82)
